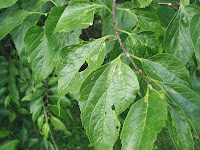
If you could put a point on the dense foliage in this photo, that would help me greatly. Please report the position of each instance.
(123, 73)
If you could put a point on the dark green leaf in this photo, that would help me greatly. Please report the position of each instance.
(188, 100)
(179, 129)
(166, 68)
(195, 35)
(177, 37)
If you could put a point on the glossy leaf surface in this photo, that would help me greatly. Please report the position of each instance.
(177, 37)
(144, 120)
(166, 68)
(77, 15)
(10, 19)
(105, 94)
(71, 60)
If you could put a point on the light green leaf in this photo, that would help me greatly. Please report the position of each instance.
(143, 3)
(27, 97)
(35, 108)
(46, 145)
(184, 2)
(40, 121)
(10, 19)
(37, 53)
(144, 120)
(177, 38)
(4, 133)
(45, 129)
(166, 68)
(79, 14)
(9, 145)
(105, 94)
(71, 60)
(58, 40)
(188, 101)
(179, 129)
(7, 3)
(57, 123)
(195, 35)
(43, 53)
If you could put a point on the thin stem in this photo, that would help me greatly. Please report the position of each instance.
(53, 2)
(123, 47)
(38, 13)
(67, 3)
(46, 113)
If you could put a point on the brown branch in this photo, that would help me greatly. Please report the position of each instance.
(123, 47)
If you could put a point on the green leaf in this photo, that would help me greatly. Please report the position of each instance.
(10, 19)
(24, 135)
(43, 53)
(12, 87)
(57, 123)
(9, 145)
(179, 129)
(105, 94)
(144, 120)
(188, 101)
(184, 2)
(62, 112)
(38, 55)
(40, 121)
(32, 141)
(165, 14)
(27, 97)
(166, 68)
(18, 34)
(7, 3)
(78, 14)
(143, 3)
(45, 129)
(148, 21)
(195, 35)
(56, 41)
(4, 134)
(35, 108)
(177, 37)
(46, 145)
(143, 45)
(71, 60)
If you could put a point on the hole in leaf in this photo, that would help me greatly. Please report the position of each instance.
(117, 127)
(83, 67)
(113, 107)
(105, 112)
